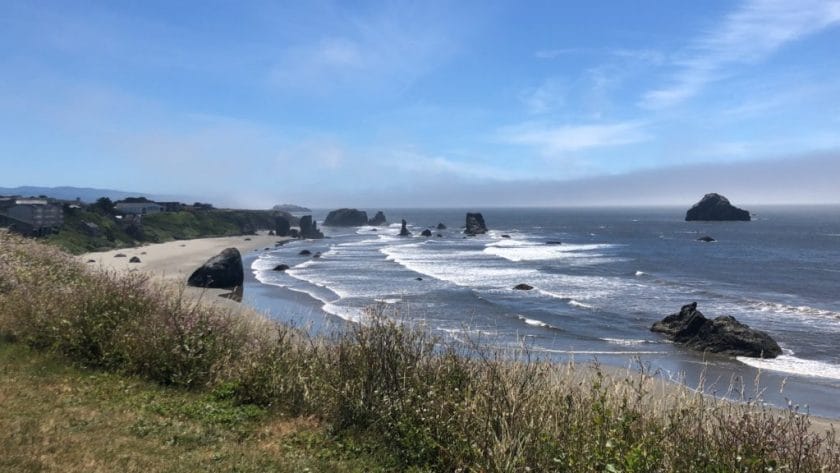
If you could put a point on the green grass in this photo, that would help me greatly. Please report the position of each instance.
(75, 238)
(57, 417)
(194, 381)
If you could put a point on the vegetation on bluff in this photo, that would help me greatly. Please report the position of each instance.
(425, 405)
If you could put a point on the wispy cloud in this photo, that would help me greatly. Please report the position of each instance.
(555, 140)
(748, 35)
(546, 97)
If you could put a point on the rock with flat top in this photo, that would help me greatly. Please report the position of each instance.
(346, 218)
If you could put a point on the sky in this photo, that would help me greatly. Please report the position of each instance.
(413, 104)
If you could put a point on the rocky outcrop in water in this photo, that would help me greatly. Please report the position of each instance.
(441, 226)
(282, 226)
(309, 228)
(221, 271)
(346, 218)
(475, 224)
(706, 239)
(723, 334)
(523, 287)
(426, 233)
(403, 230)
(378, 219)
(715, 207)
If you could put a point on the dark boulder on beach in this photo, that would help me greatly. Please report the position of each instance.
(281, 267)
(715, 207)
(723, 334)
(403, 230)
(134, 259)
(475, 224)
(441, 226)
(523, 287)
(221, 271)
(346, 218)
(378, 219)
(119, 255)
(706, 239)
(91, 261)
(426, 233)
(309, 228)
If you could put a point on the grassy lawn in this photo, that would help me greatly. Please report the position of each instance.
(55, 417)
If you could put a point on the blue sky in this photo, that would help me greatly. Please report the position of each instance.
(427, 103)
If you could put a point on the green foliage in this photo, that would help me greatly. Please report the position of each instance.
(434, 406)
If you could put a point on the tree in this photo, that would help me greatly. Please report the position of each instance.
(103, 205)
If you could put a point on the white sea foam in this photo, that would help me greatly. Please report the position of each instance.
(388, 300)
(534, 322)
(794, 365)
(640, 273)
(580, 304)
(625, 341)
(519, 250)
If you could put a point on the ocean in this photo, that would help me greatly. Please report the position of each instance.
(595, 295)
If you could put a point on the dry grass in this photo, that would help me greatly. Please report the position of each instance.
(434, 407)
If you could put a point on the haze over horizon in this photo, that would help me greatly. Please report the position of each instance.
(396, 104)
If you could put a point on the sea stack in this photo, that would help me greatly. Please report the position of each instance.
(309, 228)
(715, 207)
(378, 219)
(404, 231)
(346, 218)
(282, 226)
(221, 271)
(722, 335)
(475, 224)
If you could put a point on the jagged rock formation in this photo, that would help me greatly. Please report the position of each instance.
(404, 231)
(716, 207)
(346, 218)
(309, 228)
(475, 224)
(221, 271)
(378, 219)
(722, 335)
(282, 226)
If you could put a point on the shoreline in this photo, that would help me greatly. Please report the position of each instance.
(176, 260)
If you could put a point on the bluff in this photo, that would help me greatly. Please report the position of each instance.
(715, 207)
(346, 218)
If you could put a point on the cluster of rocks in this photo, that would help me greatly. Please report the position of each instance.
(353, 218)
(378, 220)
(723, 334)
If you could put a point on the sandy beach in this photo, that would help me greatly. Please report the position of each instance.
(176, 260)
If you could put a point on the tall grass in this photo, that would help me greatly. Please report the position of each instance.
(437, 406)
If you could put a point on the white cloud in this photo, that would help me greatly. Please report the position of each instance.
(419, 164)
(751, 33)
(546, 97)
(554, 140)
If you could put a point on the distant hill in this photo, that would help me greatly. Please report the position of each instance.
(290, 208)
(86, 194)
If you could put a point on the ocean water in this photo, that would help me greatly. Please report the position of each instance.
(595, 295)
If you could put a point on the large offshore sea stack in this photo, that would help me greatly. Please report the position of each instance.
(346, 218)
(475, 224)
(715, 207)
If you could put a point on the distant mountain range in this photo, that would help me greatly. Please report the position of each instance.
(86, 194)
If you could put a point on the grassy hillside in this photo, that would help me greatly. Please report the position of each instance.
(77, 237)
(61, 418)
(234, 383)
